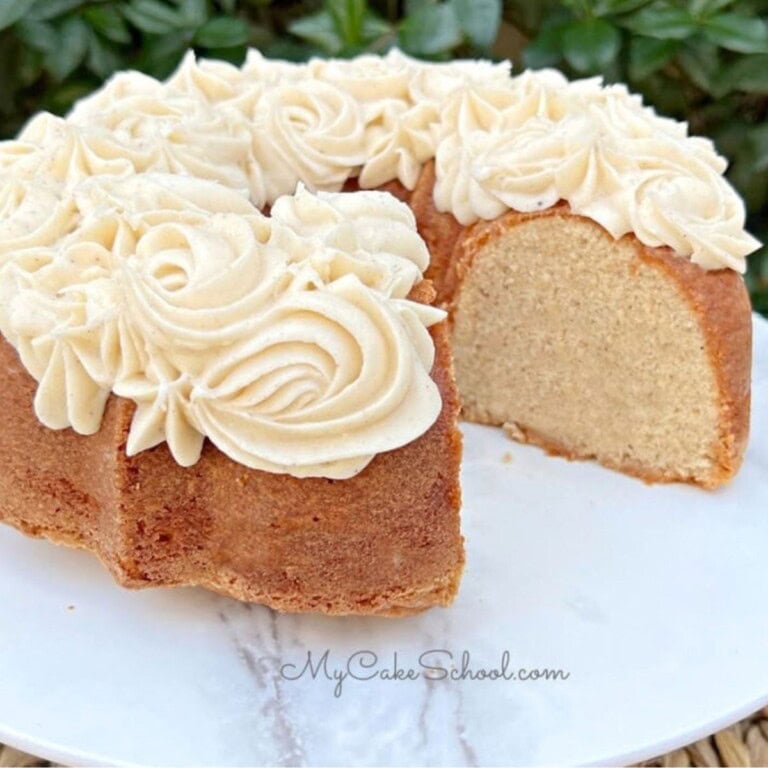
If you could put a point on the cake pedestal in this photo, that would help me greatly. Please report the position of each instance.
(643, 597)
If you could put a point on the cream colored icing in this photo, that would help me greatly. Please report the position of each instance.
(360, 234)
(133, 258)
(499, 142)
(287, 341)
(308, 131)
(184, 126)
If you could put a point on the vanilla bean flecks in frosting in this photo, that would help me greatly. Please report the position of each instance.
(287, 341)
(61, 309)
(32, 213)
(598, 149)
(309, 132)
(366, 235)
(50, 149)
(499, 142)
(335, 362)
(161, 394)
(171, 128)
(215, 82)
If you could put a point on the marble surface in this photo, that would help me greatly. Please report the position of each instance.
(649, 597)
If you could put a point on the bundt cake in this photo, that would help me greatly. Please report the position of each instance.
(225, 358)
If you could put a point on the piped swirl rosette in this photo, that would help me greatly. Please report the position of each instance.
(287, 341)
(134, 259)
(499, 143)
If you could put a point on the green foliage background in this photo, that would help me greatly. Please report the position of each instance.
(705, 61)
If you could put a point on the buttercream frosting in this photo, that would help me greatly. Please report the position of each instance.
(499, 142)
(288, 340)
(134, 258)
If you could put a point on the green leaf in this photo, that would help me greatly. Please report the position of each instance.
(374, 27)
(757, 139)
(13, 10)
(432, 29)
(479, 20)
(414, 6)
(162, 53)
(745, 34)
(662, 21)
(108, 22)
(748, 73)
(29, 68)
(289, 49)
(320, 29)
(590, 45)
(152, 16)
(706, 7)
(701, 62)
(234, 55)
(546, 49)
(39, 35)
(228, 6)
(61, 98)
(348, 17)
(647, 55)
(65, 58)
(617, 7)
(102, 58)
(194, 13)
(43, 10)
(223, 32)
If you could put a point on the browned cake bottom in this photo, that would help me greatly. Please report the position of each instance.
(384, 542)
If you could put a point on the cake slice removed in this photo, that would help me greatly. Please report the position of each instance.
(595, 348)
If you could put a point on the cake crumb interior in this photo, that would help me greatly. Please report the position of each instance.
(570, 340)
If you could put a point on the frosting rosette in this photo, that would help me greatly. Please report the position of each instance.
(330, 378)
(134, 258)
(50, 148)
(367, 78)
(287, 341)
(154, 197)
(369, 234)
(63, 314)
(173, 134)
(433, 83)
(214, 82)
(697, 216)
(161, 395)
(520, 168)
(195, 285)
(458, 189)
(259, 69)
(120, 87)
(269, 125)
(542, 93)
(310, 132)
(400, 133)
(472, 122)
(32, 213)
(399, 139)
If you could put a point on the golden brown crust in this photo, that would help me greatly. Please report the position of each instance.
(385, 542)
(394, 187)
(441, 231)
(338, 547)
(720, 304)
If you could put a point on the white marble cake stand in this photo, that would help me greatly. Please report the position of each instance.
(652, 598)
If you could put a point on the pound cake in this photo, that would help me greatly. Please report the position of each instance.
(264, 404)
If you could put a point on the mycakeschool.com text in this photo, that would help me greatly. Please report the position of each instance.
(434, 664)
